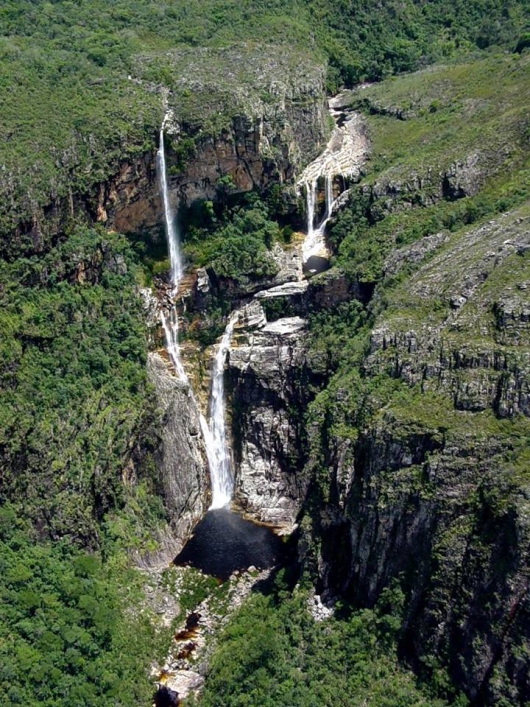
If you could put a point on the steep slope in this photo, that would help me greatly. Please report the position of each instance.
(425, 425)
(85, 88)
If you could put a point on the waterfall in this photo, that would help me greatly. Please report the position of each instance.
(219, 456)
(171, 324)
(329, 200)
(171, 232)
(314, 242)
(220, 496)
(171, 331)
(311, 201)
(328, 191)
(214, 434)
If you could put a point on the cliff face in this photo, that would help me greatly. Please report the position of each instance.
(254, 152)
(180, 457)
(273, 377)
(254, 115)
(269, 376)
(432, 490)
(256, 137)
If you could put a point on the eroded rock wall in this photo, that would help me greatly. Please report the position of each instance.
(180, 457)
(432, 491)
(259, 135)
(260, 143)
(268, 373)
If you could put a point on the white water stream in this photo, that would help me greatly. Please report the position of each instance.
(315, 244)
(175, 258)
(171, 331)
(214, 433)
(222, 481)
(342, 156)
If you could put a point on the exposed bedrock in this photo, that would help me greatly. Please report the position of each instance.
(254, 144)
(432, 491)
(180, 457)
(256, 135)
(269, 376)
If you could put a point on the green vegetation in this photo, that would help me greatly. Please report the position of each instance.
(96, 71)
(74, 398)
(274, 653)
(72, 629)
(366, 42)
(454, 115)
(416, 403)
(82, 93)
(473, 122)
(233, 240)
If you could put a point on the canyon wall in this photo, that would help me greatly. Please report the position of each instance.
(432, 490)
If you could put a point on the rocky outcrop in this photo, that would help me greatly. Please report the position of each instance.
(473, 346)
(126, 201)
(250, 129)
(430, 489)
(180, 458)
(427, 511)
(187, 664)
(254, 128)
(347, 150)
(268, 372)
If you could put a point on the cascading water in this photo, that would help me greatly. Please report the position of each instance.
(171, 325)
(171, 231)
(171, 331)
(314, 241)
(222, 482)
(311, 198)
(214, 434)
(329, 200)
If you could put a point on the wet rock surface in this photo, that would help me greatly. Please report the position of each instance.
(186, 666)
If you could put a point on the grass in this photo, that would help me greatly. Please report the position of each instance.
(453, 111)
(99, 72)
(403, 196)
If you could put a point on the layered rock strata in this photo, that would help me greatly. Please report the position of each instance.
(268, 372)
(432, 492)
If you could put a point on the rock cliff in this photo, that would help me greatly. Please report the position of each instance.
(431, 487)
(180, 457)
(269, 377)
(254, 115)
(246, 114)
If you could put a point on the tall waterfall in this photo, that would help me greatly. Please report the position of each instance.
(171, 324)
(219, 455)
(171, 232)
(311, 202)
(214, 434)
(314, 241)
(329, 200)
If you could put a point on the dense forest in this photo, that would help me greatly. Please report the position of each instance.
(81, 498)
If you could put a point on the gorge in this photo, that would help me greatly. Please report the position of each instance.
(264, 372)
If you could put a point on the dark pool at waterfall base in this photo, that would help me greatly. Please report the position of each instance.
(224, 542)
(316, 264)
